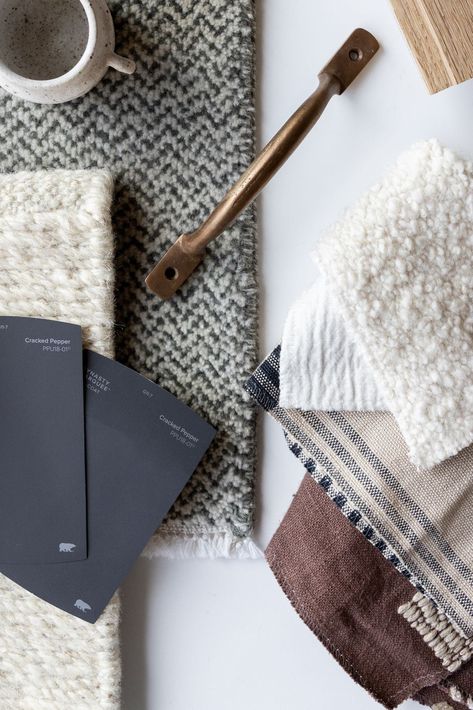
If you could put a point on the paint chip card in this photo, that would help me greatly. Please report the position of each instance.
(42, 451)
(142, 446)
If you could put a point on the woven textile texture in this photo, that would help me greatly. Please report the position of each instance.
(420, 520)
(446, 640)
(400, 264)
(348, 595)
(437, 699)
(56, 261)
(454, 692)
(322, 366)
(175, 135)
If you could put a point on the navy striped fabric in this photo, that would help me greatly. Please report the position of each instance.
(263, 385)
(360, 459)
(369, 494)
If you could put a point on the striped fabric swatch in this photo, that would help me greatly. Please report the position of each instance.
(348, 595)
(419, 520)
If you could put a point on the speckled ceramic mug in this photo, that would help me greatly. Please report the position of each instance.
(53, 51)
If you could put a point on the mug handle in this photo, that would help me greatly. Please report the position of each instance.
(127, 66)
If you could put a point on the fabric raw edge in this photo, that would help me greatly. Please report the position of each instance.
(199, 546)
(264, 387)
(421, 609)
(316, 629)
(279, 558)
(350, 511)
(324, 640)
(267, 396)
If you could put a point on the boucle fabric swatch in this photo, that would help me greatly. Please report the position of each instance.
(175, 136)
(348, 595)
(419, 519)
(322, 366)
(400, 264)
(56, 261)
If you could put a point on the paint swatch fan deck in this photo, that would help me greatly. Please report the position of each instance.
(141, 447)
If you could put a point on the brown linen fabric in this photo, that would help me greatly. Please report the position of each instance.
(457, 688)
(421, 518)
(424, 516)
(455, 692)
(348, 595)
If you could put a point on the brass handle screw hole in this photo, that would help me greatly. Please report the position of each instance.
(355, 55)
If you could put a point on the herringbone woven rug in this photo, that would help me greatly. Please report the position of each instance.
(175, 136)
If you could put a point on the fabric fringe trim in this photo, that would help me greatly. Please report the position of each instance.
(211, 546)
(439, 633)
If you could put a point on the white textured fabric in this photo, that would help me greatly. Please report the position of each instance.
(56, 252)
(401, 266)
(322, 367)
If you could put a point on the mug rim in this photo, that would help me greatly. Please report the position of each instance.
(74, 71)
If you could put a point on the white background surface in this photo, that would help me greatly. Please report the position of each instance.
(220, 635)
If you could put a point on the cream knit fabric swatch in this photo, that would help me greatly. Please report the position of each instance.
(400, 265)
(56, 251)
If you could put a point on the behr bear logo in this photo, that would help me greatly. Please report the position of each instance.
(83, 606)
(66, 546)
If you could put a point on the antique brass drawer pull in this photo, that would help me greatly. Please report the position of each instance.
(188, 251)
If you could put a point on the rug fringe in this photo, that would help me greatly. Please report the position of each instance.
(211, 546)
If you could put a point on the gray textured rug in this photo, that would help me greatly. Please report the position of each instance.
(175, 135)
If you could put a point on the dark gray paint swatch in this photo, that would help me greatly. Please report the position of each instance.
(142, 446)
(42, 451)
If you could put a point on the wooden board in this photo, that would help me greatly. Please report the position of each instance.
(440, 35)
